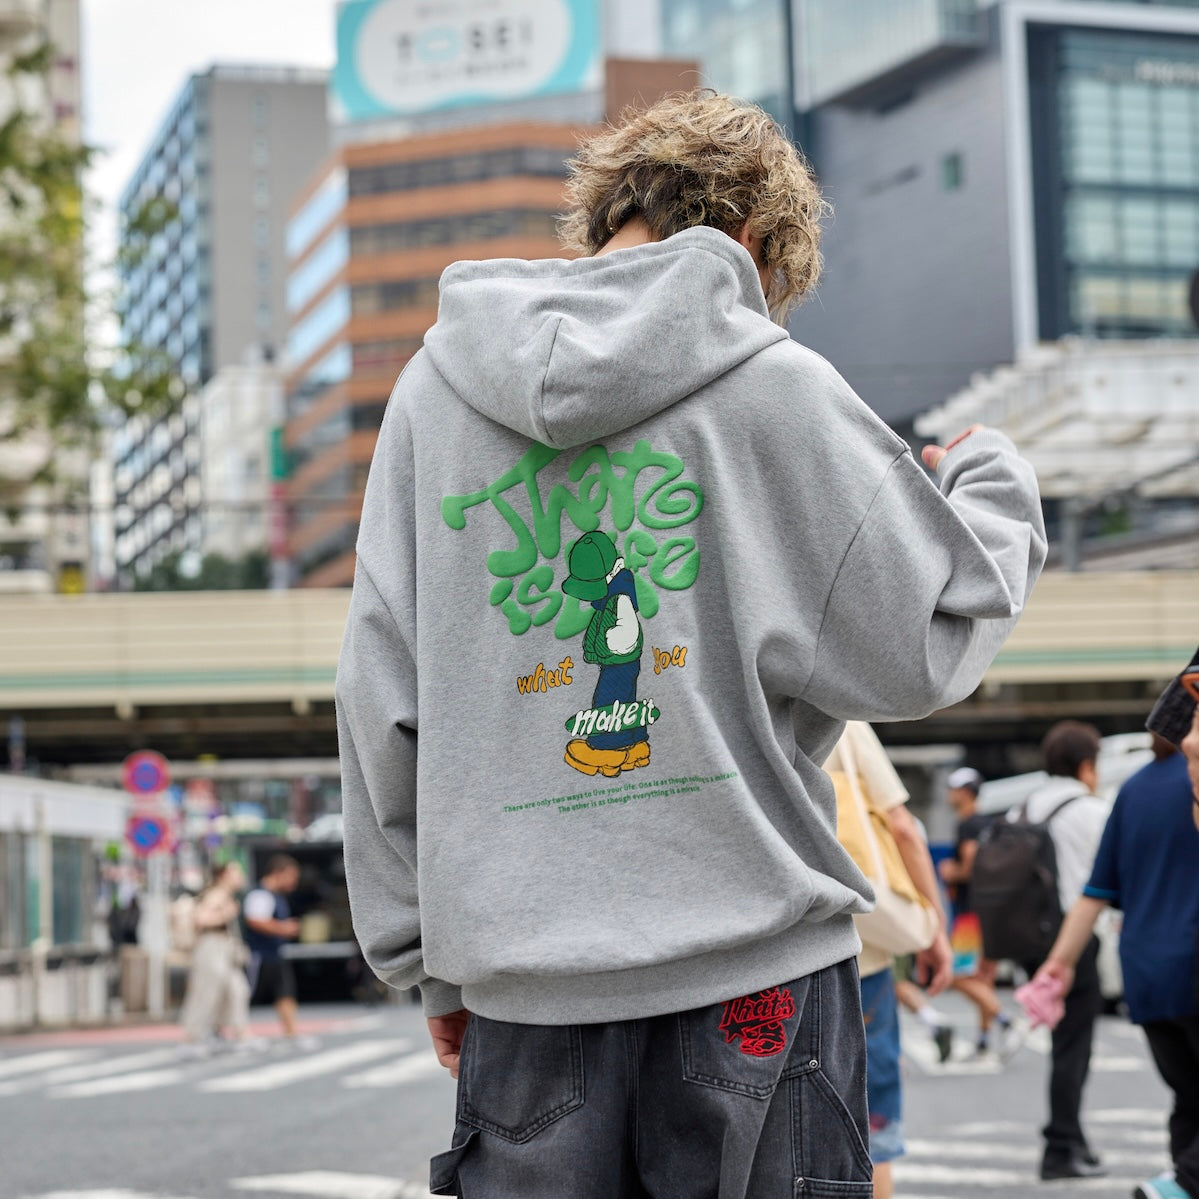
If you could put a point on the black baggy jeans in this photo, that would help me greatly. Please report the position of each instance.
(759, 1097)
(1175, 1048)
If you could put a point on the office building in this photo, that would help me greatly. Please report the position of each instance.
(1003, 175)
(235, 148)
(368, 242)
(43, 539)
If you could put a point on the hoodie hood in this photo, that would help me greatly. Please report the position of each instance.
(567, 352)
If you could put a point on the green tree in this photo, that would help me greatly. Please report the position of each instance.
(53, 381)
(212, 572)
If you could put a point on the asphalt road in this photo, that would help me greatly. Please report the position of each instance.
(123, 1115)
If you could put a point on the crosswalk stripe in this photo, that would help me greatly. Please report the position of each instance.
(1111, 1063)
(989, 1128)
(142, 1080)
(122, 1064)
(30, 1062)
(329, 1184)
(973, 1176)
(965, 1151)
(1128, 1115)
(102, 1193)
(413, 1068)
(280, 1074)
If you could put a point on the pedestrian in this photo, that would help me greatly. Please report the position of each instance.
(217, 1000)
(974, 975)
(269, 927)
(1075, 816)
(859, 764)
(638, 958)
(1146, 866)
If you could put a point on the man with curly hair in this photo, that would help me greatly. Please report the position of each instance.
(640, 967)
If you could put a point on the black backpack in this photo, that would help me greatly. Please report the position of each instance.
(1013, 888)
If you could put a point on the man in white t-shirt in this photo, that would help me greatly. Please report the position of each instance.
(1076, 818)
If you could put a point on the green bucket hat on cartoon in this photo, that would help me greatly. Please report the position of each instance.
(589, 560)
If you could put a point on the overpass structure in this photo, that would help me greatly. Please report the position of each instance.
(250, 674)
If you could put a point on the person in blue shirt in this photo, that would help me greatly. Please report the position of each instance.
(1148, 865)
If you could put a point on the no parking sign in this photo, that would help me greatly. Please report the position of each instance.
(146, 773)
(147, 834)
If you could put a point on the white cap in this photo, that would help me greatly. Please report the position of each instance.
(966, 776)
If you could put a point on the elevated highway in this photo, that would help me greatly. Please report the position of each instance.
(250, 674)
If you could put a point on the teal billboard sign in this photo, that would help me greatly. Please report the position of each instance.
(402, 57)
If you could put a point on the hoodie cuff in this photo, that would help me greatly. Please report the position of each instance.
(986, 441)
(440, 999)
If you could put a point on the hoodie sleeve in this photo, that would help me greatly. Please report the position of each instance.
(931, 585)
(376, 732)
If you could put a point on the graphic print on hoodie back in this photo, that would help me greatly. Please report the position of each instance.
(594, 599)
(628, 558)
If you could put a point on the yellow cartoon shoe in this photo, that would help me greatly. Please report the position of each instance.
(608, 762)
(636, 756)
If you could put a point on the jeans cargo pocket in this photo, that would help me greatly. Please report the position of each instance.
(828, 1101)
(443, 1169)
(517, 1078)
(746, 1044)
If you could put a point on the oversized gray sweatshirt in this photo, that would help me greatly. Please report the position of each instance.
(629, 558)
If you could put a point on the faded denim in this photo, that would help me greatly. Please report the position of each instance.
(669, 1107)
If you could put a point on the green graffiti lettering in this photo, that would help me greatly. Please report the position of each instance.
(535, 592)
(605, 488)
(681, 550)
(519, 620)
(669, 503)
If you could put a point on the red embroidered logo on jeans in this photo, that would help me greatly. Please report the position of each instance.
(758, 1021)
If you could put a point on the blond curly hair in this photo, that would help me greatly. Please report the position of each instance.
(699, 158)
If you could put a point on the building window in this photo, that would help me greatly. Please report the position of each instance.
(952, 172)
(260, 151)
(262, 191)
(260, 108)
(262, 231)
(1116, 178)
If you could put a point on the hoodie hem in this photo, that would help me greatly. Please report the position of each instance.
(677, 986)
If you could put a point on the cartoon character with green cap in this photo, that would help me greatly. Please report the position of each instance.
(612, 641)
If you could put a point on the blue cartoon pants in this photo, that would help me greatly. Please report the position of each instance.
(617, 683)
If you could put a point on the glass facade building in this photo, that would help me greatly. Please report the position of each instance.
(1116, 169)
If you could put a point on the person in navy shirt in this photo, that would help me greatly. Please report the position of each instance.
(1148, 865)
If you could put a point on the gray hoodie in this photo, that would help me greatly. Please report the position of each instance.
(629, 558)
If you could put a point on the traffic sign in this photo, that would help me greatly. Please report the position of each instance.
(146, 772)
(147, 834)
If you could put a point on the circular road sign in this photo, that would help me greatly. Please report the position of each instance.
(146, 772)
(147, 834)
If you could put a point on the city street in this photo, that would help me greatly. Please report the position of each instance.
(121, 1114)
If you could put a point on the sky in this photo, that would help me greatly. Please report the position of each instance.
(137, 54)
